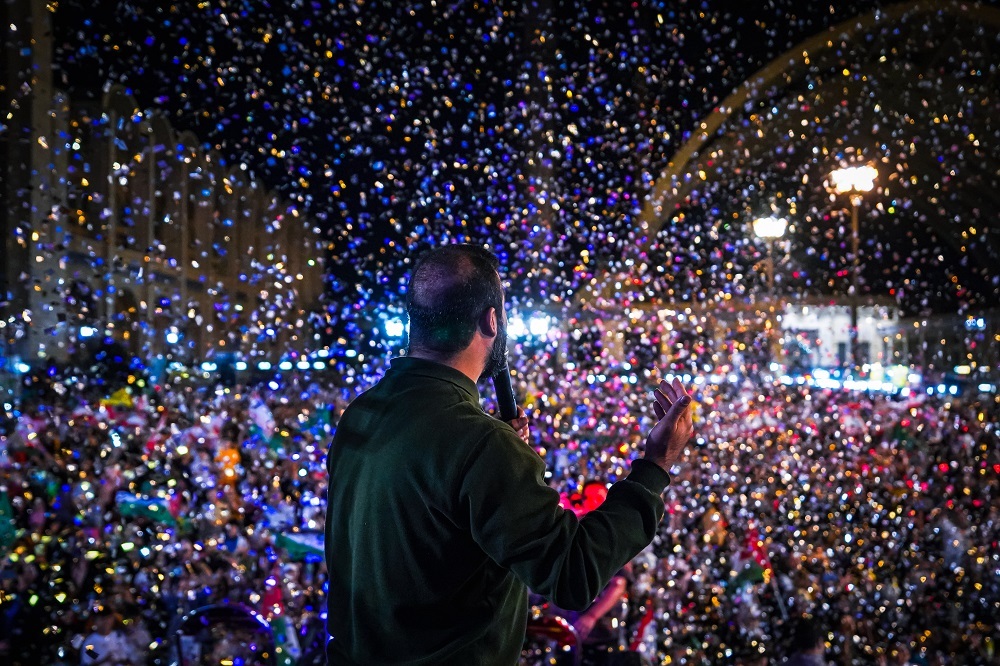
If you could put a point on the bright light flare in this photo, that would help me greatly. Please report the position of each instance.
(538, 326)
(516, 328)
(854, 179)
(770, 227)
(394, 328)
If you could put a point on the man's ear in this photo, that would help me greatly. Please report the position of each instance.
(488, 324)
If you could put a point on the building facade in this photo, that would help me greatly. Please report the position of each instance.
(119, 228)
(819, 335)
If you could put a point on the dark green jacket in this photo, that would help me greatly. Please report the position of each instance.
(439, 519)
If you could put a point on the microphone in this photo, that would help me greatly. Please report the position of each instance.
(505, 394)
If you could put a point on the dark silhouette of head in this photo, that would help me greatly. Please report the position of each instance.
(450, 290)
(807, 636)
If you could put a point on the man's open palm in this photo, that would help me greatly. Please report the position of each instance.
(673, 427)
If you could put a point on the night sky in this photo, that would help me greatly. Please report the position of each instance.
(535, 127)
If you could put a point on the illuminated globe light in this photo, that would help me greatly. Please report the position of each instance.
(241, 365)
(770, 227)
(208, 366)
(264, 365)
(173, 337)
(87, 331)
(285, 365)
(395, 327)
(853, 179)
(302, 365)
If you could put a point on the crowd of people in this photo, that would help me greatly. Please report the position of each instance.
(877, 516)
(151, 508)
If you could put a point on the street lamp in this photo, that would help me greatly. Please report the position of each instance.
(770, 229)
(854, 181)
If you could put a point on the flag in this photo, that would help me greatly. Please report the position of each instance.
(263, 425)
(137, 506)
(119, 398)
(271, 439)
(752, 565)
(7, 529)
(641, 635)
(319, 421)
(753, 549)
(261, 415)
(137, 420)
(750, 574)
(301, 546)
(286, 643)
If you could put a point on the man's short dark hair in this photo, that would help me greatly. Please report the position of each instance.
(451, 287)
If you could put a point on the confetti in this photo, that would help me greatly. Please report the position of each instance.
(555, 133)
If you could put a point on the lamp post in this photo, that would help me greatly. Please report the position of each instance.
(770, 229)
(854, 181)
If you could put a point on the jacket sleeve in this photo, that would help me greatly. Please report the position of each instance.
(516, 518)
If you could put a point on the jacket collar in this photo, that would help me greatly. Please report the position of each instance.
(426, 368)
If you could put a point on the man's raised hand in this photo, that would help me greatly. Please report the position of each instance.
(673, 428)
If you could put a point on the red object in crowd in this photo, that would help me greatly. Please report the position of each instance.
(583, 502)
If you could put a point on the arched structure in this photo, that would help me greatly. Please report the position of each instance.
(912, 89)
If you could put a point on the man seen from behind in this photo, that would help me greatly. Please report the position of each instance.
(439, 518)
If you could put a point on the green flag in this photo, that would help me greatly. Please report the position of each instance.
(286, 643)
(7, 531)
(751, 574)
(319, 422)
(301, 546)
(273, 440)
(137, 506)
